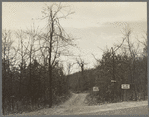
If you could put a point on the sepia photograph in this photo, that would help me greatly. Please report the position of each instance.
(74, 58)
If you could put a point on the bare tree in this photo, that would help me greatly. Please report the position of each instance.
(144, 43)
(132, 50)
(145, 57)
(56, 40)
(5, 38)
(31, 36)
(69, 68)
(22, 51)
(8, 57)
(81, 64)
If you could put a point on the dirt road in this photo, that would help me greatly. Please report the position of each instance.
(76, 106)
(76, 100)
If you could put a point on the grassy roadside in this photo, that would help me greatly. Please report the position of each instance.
(93, 99)
(25, 108)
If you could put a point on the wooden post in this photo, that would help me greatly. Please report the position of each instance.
(124, 95)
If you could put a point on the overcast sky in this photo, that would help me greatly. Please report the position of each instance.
(96, 24)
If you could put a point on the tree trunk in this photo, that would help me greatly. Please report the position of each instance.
(50, 66)
(3, 96)
(50, 86)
